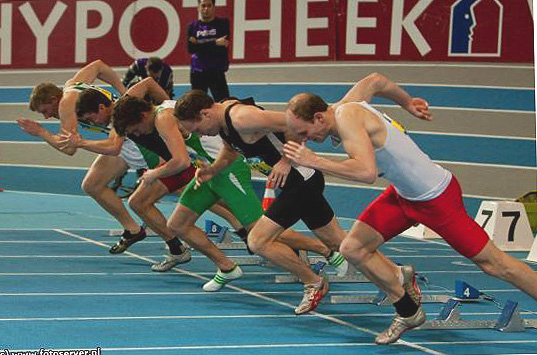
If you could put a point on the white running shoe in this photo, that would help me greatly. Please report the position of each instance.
(222, 278)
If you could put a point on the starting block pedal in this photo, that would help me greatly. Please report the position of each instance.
(250, 260)
(381, 299)
(463, 292)
(258, 260)
(352, 275)
(214, 230)
(466, 292)
(224, 239)
(118, 232)
(509, 320)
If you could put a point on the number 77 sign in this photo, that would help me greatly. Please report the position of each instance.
(507, 224)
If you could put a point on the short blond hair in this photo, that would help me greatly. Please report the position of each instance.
(43, 93)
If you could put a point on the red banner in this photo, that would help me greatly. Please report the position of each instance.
(69, 33)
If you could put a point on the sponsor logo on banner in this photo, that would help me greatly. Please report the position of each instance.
(476, 28)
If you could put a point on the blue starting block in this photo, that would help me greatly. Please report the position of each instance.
(465, 291)
(381, 299)
(214, 230)
(508, 321)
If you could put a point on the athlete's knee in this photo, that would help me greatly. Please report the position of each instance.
(173, 226)
(90, 186)
(256, 242)
(353, 250)
(138, 204)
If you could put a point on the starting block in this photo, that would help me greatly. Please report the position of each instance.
(352, 275)
(224, 240)
(507, 224)
(258, 260)
(117, 232)
(509, 320)
(463, 292)
(214, 230)
(381, 299)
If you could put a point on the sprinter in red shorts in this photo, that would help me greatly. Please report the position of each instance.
(419, 191)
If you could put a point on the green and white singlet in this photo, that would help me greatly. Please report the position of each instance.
(136, 156)
(233, 184)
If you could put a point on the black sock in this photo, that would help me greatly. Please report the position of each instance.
(406, 307)
(230, 270)
(175, 246)
(128, 235)
(242, 233)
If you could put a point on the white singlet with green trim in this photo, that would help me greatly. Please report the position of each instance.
(200, 148)
(130, 152)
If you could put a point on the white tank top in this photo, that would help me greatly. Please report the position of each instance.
(401, 162)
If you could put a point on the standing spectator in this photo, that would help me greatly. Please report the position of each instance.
(153, 67)
(208, 40)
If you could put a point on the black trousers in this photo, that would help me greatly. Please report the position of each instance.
(213, 80)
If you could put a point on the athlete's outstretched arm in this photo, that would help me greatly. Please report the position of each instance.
(109, 146)
(376, 84)
(98, 70)
(167, 127)
(148, 86)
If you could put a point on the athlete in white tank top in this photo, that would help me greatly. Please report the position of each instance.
(402, 163)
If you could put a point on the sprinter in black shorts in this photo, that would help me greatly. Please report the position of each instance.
(254, 132)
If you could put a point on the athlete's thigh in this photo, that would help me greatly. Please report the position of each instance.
(385, 215)
(148, 193)
(104, 169)
(182, 217)
(285, 210)
(264, 231)
(361, 235)
(198, 199)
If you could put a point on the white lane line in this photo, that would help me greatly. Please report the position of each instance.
(471, 135)
(240, 316)
(294, 345)
(435, 108)
(257, 295)
(135, 294)
(155, 274)
(195, 256)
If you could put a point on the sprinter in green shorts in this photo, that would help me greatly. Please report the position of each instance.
(233, 185)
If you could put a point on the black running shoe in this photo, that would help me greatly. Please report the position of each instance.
(125, 242)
